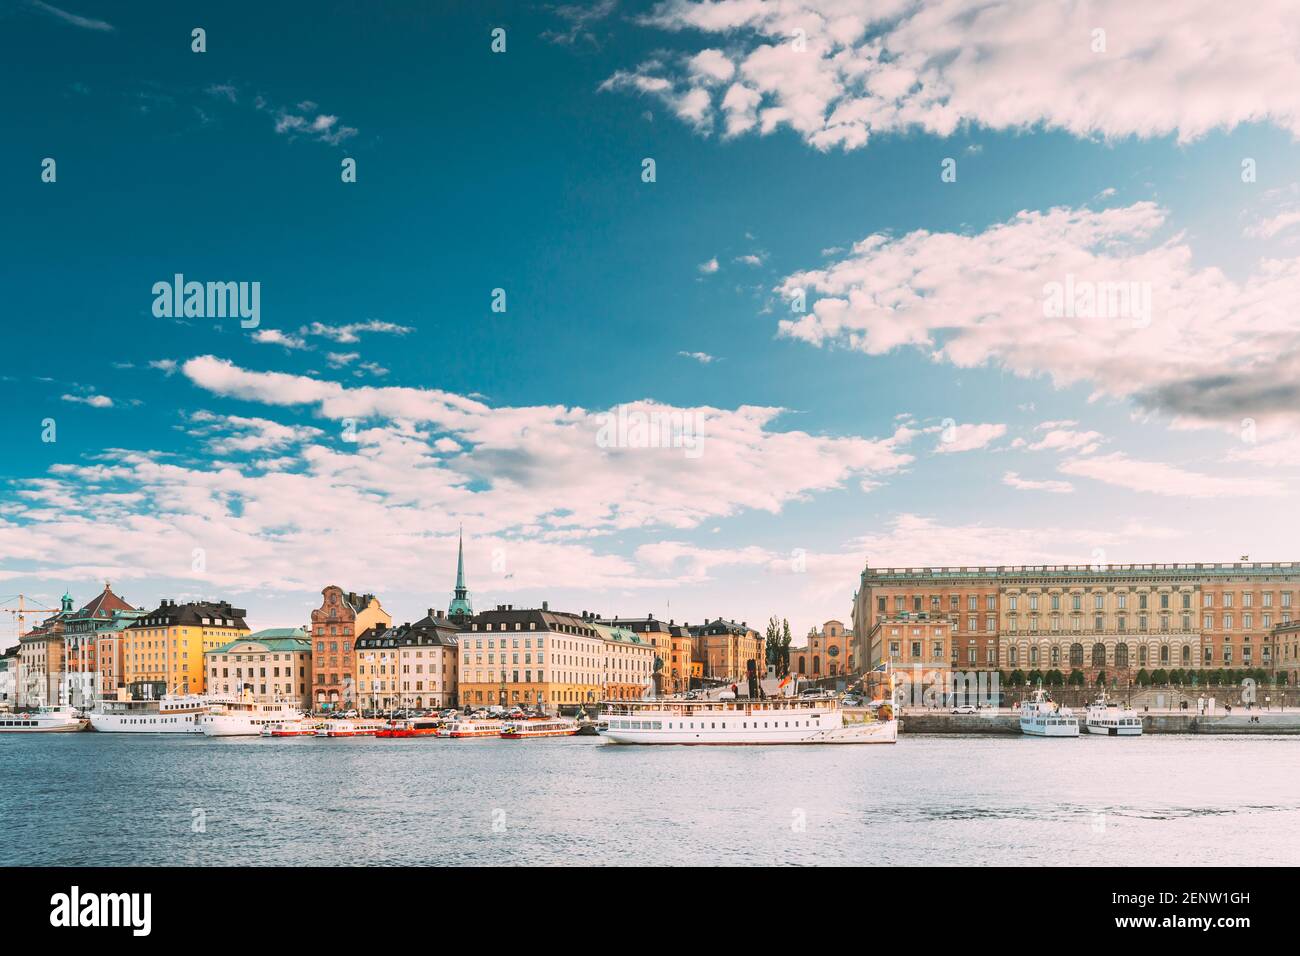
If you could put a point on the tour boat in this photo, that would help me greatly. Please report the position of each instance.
(520, 729)
(46, 720)
(1040, 716)
(472, 727)
(1112, 719)
(349, 728)
(170, 714)
(773, 720)
(414, 727)
(290, 728)
(246, 717)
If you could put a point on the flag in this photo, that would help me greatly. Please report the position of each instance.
(784, 680)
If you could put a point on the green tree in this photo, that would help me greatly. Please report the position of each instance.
(1101, 679)
(786, 640)
(1160, 677)
(1142, 678)
(1017, 678)
(772, 642)
(1076, 678)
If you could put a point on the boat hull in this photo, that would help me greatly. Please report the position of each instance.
(1039, 729)
(146, 724)
(879, 732)
(59, 728)
(1104, 731)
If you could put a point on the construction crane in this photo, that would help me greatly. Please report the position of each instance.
(22, 610)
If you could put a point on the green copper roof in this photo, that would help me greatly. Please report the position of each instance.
(460, 601)
(273, 639)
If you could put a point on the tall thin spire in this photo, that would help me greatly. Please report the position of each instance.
(460, 601)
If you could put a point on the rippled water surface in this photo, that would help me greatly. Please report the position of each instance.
(110, 799)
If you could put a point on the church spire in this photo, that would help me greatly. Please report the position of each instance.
(460, 601)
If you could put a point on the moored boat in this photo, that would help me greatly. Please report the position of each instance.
(246, 717)
(774, 720)
(47, 720)
(521, 729)
(412, 727)
(290, 728)
(170, 714)
(1040, 716)
(472, 727)
(349, 728)
(1110, 718)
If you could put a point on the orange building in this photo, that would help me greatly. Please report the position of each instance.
(725, 648)
(335, 625)
(827, 653)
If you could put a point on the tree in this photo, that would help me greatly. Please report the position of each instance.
(1076, 678)
(1176, 676)
(772, 642)
(1055, 678)
(1034, 677)
(1017, 678)
(786, 641)
(1101, 679)
(1160, 677)
(1142, 678)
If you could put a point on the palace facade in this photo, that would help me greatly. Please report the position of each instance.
(1108, 620)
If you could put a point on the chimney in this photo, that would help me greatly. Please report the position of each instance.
(430, 612)
(546, 606)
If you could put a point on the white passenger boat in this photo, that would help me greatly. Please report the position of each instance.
(170, 714)
(290, 728)
(776, 720)
(1040, 716)
(43, 720)
(521, 729)
(349, 728)
(1110, 718)
(472, 727)
(246, 717)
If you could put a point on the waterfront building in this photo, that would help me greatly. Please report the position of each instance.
(335, 625)
(630, 663)
(672, 645)
(1286, 650)
(162, 651)
(274, 665)
(42, 660)
(1104, 621)
(725, 648)
(409, 666)
(111, 673)
(827, 653)
(8, 678)
(530, 657)
(82, 683)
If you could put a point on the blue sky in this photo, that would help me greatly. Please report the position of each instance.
(922, 411)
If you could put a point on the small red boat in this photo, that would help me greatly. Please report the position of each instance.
(420, 727)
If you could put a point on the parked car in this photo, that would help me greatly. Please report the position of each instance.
(966, 709)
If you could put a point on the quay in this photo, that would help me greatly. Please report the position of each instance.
(1005, 722)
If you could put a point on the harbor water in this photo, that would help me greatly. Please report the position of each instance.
(100, 799)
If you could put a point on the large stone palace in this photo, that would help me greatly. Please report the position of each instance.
(1114, 618)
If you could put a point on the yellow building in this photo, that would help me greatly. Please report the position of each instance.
(629, 663)
(532, 658)
(165, 647)
(672, 644)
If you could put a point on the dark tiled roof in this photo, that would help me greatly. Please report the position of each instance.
(430, 631)
(170, 613)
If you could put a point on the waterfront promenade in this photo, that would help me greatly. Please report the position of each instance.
(1006, 721)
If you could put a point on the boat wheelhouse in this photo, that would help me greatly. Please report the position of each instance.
(413, 727)
(349, 728)
(776, 720)
(472, 727)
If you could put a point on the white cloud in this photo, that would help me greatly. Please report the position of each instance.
(878, 66)
(1158, 478)
(1211, 350)
(967, 437)
(1060, 436)
(709, 267)
(1271, 226)
(1027, 484)
(704, 358)
(166, 366)
(276, 337)
(94, 401)
(347, 334)
(86, 23)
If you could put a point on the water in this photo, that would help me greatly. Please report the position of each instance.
(1168, 800)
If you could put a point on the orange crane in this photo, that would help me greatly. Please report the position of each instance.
(22, 610)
